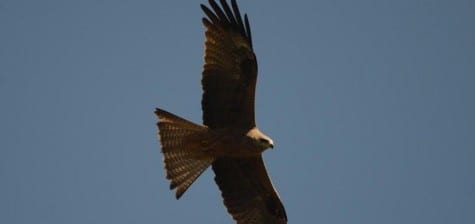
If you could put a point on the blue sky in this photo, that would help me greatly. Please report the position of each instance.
(370, 105)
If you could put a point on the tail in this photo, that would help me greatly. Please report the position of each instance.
(181, 147)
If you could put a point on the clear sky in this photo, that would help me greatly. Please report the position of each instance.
(370, 104)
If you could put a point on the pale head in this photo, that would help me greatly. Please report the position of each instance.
(260, 138)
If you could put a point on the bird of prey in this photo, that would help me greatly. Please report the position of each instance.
(228, 140)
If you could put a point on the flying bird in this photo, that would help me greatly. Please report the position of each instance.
(228, 140)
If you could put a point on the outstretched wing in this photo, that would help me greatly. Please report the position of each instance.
(229, 82)
(230, 69)
(248, 192)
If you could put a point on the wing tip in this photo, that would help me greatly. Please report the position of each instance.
(224, 17)
(206, 22)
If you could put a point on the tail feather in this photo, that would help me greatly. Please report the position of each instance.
(181, 146)
(195, 169)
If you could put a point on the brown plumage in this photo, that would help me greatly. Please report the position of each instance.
(229, 139)
(230, 70)
(184, 161)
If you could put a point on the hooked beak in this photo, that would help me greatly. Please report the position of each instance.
(271, 146)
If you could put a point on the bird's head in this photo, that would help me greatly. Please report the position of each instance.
(260, 139)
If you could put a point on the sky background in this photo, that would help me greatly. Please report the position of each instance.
(370, 104)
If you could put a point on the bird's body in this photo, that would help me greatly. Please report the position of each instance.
(228, 140)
